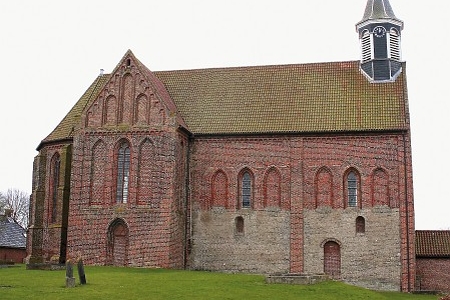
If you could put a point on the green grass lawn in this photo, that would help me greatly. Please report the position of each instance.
(135, 283)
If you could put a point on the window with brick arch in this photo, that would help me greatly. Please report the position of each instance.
(123, 172)
(219, 186)
(360, 225)
(54, 184)
(246, 190)
(352, 182)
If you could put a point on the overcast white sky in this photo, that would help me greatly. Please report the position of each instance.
(52, 50)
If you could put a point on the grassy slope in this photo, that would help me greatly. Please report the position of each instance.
(131, 283)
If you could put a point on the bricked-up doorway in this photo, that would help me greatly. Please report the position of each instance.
(332, 259)
(118, 243)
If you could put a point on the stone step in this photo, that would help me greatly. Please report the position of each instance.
(303, 279)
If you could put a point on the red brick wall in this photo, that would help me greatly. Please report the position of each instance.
(369, 155)
(287, 173)
(12, 254)
(263, 245)
(433, 274)
(304, 165)
(155, 223)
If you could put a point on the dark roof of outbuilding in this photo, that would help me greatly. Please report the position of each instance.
(433, 243)
(299, 98)
(11, 234)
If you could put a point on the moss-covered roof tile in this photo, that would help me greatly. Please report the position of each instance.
(288, 98)
(65, 128)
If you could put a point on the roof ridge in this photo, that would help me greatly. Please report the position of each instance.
(265, 66)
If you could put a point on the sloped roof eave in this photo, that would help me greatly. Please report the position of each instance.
(44, 143)
(293, 132)
(64, 130)
(433, 243)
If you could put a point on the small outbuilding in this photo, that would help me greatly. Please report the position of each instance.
(433, 260)
(12, 241)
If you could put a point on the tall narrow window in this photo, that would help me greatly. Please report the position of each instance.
(239, 222)
(360, 225)
(246, 192)
(56, 162)
(352, 188)
(123, 172)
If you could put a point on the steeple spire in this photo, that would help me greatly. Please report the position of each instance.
(378, 9)
(380, 37)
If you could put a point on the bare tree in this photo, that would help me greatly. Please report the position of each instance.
(17, 202)
(2, 203)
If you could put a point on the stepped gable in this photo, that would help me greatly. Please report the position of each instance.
(300, 98)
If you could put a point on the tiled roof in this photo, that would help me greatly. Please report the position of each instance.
(65, 128)
(11, 234)
(302, 98)
(321, 97)
(433, 243)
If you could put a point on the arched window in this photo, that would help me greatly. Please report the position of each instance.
(360, 225)
(246, 190)
(123, 172)
(55, 169)
(239, 223)
(352, 189)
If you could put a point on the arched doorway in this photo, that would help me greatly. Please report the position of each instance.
(118, 243)
(332, 259)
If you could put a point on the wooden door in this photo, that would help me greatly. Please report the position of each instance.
(332, 259)
(120, 245)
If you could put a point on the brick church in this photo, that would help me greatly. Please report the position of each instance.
(302, 168)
